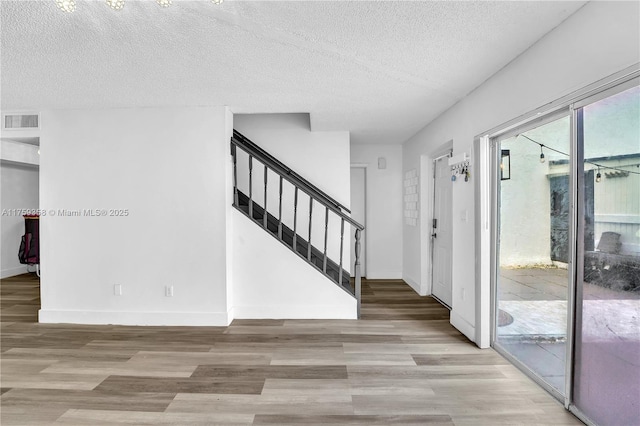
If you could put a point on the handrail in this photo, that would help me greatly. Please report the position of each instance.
(285, 172)
(268, 159)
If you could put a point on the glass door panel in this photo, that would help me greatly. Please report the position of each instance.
(533, 250)
(607, 354)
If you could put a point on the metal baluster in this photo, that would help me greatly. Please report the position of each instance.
(326, 230)
(310, 221)
(235, 174)
(295, 219)
(357, 268)
(341, 250)
(264, 216)
(280, 212)
(251, 186)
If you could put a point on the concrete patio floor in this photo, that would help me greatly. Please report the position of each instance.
(536, 298)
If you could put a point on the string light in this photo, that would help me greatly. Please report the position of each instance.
(598, 175)
(541, 154)
(602, 166)
(164, 3)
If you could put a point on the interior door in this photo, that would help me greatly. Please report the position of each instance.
(441, 232)
(358, 203)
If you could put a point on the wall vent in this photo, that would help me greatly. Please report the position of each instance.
(20, 121)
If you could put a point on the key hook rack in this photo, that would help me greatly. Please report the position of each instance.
(460, 165)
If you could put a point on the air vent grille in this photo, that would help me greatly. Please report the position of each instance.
(21, 121)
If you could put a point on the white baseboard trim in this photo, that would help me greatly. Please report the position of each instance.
(231, 315)
(384, 275)
(295, 312)
(12, 272)
(215, 319)
(463, 326)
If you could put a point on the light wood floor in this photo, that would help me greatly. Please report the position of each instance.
(403, 363)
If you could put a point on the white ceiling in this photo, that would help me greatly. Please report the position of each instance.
(381, 70)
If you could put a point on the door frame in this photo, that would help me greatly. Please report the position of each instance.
(449, 154)
(485, 212)
(427, 192)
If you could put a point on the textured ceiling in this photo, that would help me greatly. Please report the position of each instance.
(381, 70)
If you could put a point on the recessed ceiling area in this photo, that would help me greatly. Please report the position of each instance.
(381, 70)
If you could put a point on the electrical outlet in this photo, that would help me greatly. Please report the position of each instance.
(168, 290)
(117, 289)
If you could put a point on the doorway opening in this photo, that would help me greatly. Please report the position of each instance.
(566, 253)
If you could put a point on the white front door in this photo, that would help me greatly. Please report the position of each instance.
(441, 234)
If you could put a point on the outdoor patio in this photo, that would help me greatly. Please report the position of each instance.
(535, 299)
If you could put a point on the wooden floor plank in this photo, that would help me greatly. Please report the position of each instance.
(176, 385)
(309, 420)
(83, 417)
(402, 363)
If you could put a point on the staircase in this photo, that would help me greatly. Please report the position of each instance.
(281, 219)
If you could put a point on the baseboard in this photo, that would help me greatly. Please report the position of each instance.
(295, 312)
(214, 319)
(384, 275)
(463, 326)
(231, 315)
(12, 272)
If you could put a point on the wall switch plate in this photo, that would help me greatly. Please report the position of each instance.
(168, 291)
(117, 289)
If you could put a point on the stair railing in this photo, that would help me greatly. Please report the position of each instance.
(316, 196)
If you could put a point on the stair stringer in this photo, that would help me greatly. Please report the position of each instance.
(271, 281)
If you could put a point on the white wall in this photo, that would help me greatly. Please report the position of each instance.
(384, 200)
(525, 210)
(268, 279)
(320, 157)
(19, 191)
(170, 169)
(598, 40)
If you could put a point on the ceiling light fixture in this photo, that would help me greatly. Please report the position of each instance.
(70, 5)
(115, 4)
(66, 5)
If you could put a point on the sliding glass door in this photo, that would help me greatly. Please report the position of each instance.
(607, 361)
(566, 277)
(532, 274)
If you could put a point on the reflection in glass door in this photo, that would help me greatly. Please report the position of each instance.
(533, 250)
(607, 352)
